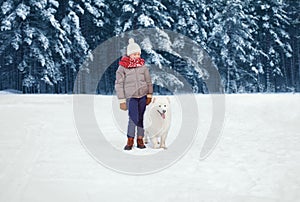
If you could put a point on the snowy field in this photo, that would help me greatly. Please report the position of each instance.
(256, 160)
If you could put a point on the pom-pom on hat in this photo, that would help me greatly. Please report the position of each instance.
(133, 47)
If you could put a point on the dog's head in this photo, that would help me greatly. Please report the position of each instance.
(161, 105)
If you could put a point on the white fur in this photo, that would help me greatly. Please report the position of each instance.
(157, 128)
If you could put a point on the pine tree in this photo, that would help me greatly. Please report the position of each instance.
(46, 42)
(29, 31)
(292, 65)
(230, 42)
(33, 35)
(136, 15)
(96, 20)
(254, 44)
(273, 41)
(190, 21)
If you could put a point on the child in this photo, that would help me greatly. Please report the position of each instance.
(134, 90)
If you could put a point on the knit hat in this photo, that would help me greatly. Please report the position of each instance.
(133, 47)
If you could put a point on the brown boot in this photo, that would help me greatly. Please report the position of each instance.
(140, 143)
(129, 144)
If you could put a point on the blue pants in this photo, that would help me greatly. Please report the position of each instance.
(136, 109)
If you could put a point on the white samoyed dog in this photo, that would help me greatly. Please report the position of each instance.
(157, 121)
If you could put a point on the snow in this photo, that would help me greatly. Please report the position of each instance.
(55, 23)
(44, 41)
(167, 80)
(41, 59)
(265, 6)
(195, 28)
(10, 91)
(6, 25)
(41, 4)
(100, 3)
(266, 25)
(128, 8)
(75, 19)
(226, 39)
(16, 41)
(47, 80)
(92, 10)
(22, 11)
(127, 25)
(257, 158)
(265, 17)
(145, 20)
(22, 65)
(29, 81)
(54, 3)
(80, 9)
(136, 2)
(6, 7)
(182, 22)
(255, 70)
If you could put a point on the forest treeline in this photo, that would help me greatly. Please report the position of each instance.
(255, 44)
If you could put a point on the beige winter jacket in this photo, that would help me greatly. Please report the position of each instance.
(133, 82)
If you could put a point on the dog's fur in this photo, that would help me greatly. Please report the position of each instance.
(157, 122)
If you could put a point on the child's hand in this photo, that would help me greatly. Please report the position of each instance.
(148, 101)
(123, 106)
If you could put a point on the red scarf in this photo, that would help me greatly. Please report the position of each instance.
(129, 63)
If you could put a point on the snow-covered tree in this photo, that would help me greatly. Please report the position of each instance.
(96, 20)
(254, 44)
(190, 20)
(136, 15)
(30, 34)
(44, 43)
(292, 65)
(229, 41)
(272, 39)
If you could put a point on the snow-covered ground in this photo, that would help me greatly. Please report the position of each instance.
(257, 159)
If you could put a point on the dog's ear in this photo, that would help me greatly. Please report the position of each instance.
(153, 100)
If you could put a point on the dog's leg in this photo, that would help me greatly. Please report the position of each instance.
(163, 141)
(146, 138)
(154, 142)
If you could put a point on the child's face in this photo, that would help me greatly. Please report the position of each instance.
(135, 55)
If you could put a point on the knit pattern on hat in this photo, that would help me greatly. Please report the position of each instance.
(133, 47)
